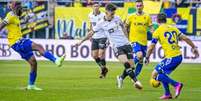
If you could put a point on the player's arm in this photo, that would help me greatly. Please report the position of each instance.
(89, 35)
(6, 21)
(127, 27)
(91, 28)
(151, 27)
(124, 29)
(152, 46)
(189, 42)
(150, 50)
(2, 25)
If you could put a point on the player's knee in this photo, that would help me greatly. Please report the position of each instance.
(41, 50)
(140, 56)
(154, 74)
(95, 56)
(127, 65)
(100, 55)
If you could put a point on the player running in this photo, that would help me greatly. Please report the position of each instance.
(25, 47)
(99, 40)
(115, 32)
(168, 37)
(137, 25)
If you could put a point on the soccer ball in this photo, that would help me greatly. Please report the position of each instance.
(154, 83)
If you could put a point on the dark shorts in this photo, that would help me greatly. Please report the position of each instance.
(100, 43)
(168, 65)
(24, 48)
(126, 49)
(138, 47)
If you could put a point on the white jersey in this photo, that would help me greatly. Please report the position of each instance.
(94, 19)
(113, 31)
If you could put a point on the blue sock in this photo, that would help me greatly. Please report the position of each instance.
(166, 79)
(138, 66)
(32, 77)
(166, 88)
(49, 56)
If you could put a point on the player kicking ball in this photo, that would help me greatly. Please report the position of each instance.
(25, 47)
(115, 31)
(168, 37)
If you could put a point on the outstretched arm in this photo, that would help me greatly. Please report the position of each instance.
(189, 42)
(89, 35)
(2, 25)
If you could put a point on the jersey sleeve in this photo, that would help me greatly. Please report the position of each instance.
(8, 18)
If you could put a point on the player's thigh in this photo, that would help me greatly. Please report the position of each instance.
(138, 50)
(37, 47)
(94, 53)
(101, 53)
(168, 65)
(122, 58)
(102, 46)
(23, 47)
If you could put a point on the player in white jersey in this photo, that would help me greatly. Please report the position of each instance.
(99, 40)
(115, 32)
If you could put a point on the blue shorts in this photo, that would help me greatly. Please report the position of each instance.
(24, 48)
(138, 47)
(168, 64)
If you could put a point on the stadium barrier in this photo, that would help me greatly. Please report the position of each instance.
(83, 52)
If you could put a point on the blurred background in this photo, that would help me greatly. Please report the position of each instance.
(68, 19)
(59, 24)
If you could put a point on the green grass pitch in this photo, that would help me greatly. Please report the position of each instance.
(78, 81)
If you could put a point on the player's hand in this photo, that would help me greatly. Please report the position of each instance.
(146, 60)
(78, 44)
(195, 52)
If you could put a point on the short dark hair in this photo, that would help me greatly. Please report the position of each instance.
(110, 7)
(161, 18)
(16, 4)
(139, 1)
(94, 3)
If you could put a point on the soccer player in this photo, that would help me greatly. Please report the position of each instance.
(115, 31)
(99, 40)
(168, 37)
(137, 25)
(25, 47)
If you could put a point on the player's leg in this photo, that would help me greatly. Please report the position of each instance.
(139, 56)
(47, 54)
(167, 94)
(123, 59)
(33, 74)
(94, 48)
(166, 67)
(98, 55)
(101, 55)
(23, 47)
